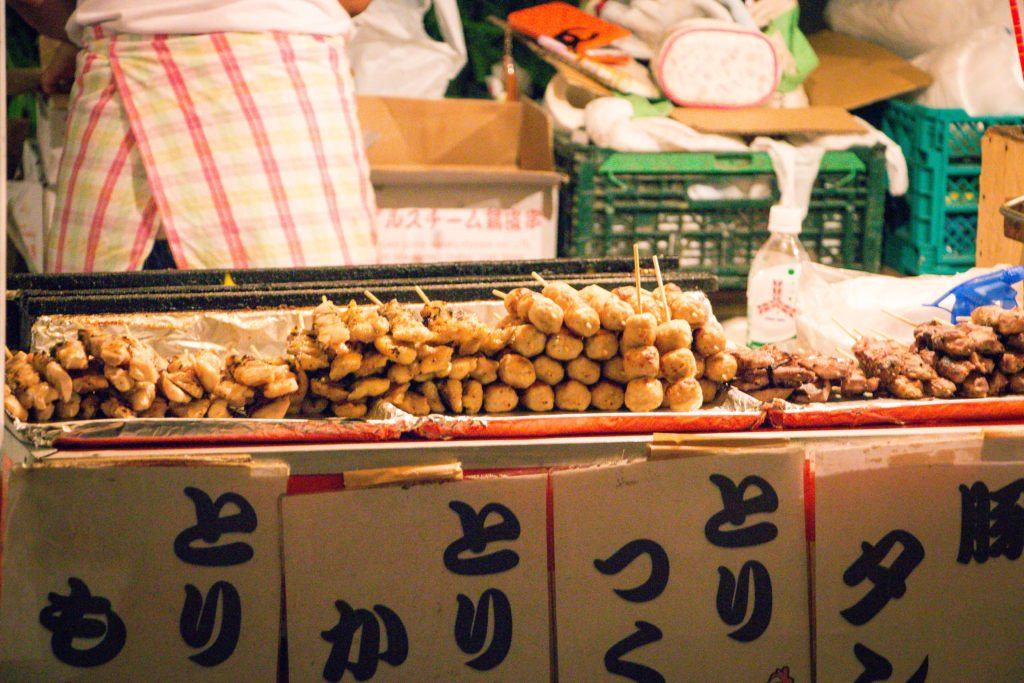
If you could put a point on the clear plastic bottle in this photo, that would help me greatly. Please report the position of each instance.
(773, 281)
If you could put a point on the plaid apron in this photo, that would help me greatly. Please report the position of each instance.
(243, 147)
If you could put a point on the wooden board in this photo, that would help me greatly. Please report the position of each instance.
(1002, 178)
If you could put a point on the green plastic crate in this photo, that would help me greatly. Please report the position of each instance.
(661, 202)
(933, 228)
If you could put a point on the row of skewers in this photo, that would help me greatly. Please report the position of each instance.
(555, 349)
(975, 359)
(558, 348)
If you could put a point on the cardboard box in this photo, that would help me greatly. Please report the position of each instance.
(461, 180)
(1002, 179)
(851, 73)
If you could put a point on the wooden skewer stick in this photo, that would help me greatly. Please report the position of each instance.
(845, 329)
(538, 278)
(422, 294)
(883, 335)
(636, 273)
(498, 293)
(860, 334)
(369, 295)
(661, 288)
(901, 318)
(847, 354)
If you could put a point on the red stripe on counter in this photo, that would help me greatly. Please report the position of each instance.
(259, 132)
(288, 55)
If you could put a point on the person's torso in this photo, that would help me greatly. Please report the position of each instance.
(319, 17)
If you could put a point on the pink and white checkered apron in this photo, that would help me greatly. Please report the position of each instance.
(244, 147)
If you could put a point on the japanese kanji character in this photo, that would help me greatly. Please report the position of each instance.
(736, 509)
(477, 535)
(66, 616)
(365, 622)
(624, 556)
(991, 524)
(198, 617)
(889, 582)
(209, 528)
(471, 625)
(734, 598)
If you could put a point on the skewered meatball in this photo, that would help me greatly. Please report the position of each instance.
(709, 339)
(601, 346)
(500, 398)
(572, 395)
(564, 346)
(539, 398)
(641, 362)
(516, 371)
(607, 395)
(679, 364)
(720, 367)
(641, 330)
(548, 371)
(684, 395)
(583, 370)
(527, 341)
(672, 335)
(644, 394)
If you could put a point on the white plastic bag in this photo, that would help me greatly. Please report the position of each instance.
(980, 74)
(391, 53)
(865, 303)
(911, 27)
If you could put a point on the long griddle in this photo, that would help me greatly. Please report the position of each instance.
(31, 296)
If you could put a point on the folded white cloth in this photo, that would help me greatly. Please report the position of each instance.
(895, 161)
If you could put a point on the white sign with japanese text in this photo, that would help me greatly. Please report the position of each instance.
(428, 235)
(142, 573)
(443, 582)
(693, 569)
(918, 567)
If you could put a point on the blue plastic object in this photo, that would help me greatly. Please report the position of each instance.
(984, 290)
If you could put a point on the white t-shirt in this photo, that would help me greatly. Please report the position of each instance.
(320, 17)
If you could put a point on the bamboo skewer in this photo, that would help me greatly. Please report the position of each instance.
(636, 273)
(538, 278)
(901, 318)
(498, 293)
(661, 288)
(883, 335)
(845, 329)
(369, 295)
(423, 296)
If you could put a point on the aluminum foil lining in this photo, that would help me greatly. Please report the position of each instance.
(384, 423)
(262, 331)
